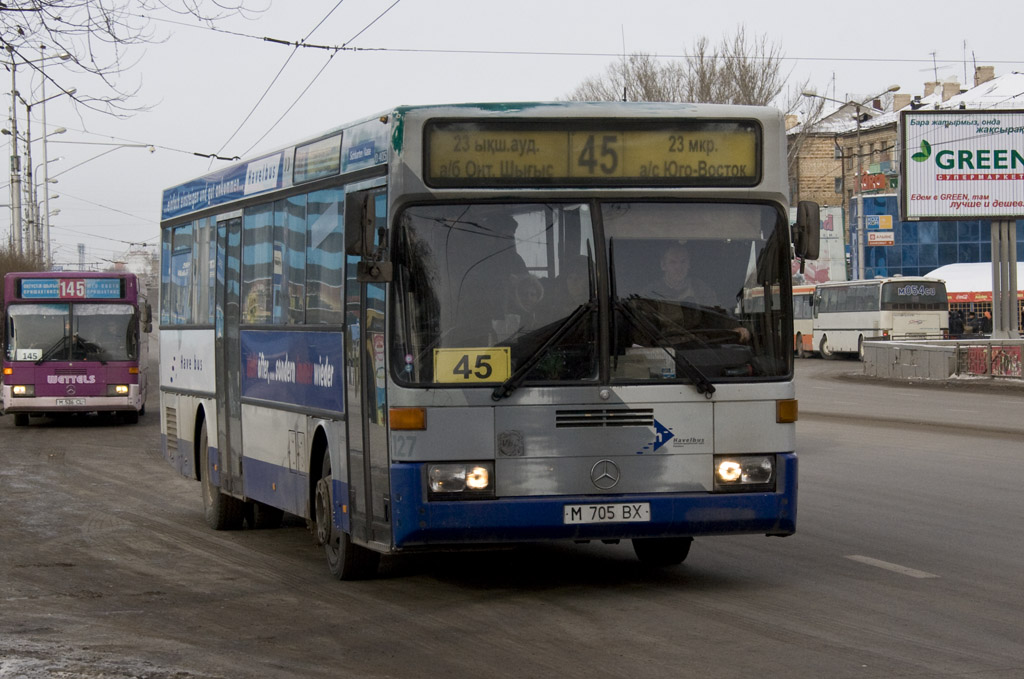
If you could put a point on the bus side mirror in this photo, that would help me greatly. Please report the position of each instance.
(359, 222)
(807, 232)
(147, 318)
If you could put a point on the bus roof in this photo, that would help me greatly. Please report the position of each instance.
(368, 142)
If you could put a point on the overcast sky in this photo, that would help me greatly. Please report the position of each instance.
(204, 88)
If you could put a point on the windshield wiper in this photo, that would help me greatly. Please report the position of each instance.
(700, 381)
(48, 354)
(506, 388)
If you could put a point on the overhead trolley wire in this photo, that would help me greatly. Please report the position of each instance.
(274, 80)
(317, 76)
(549, 53)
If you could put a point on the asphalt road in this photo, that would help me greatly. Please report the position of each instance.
(907, 562)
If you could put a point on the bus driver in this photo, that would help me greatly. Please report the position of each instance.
(683, 303)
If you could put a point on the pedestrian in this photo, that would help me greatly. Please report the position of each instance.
(986, 323)
(956, 323)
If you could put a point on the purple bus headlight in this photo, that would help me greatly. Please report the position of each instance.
(23, 390)
(117, 390)
(744, 473)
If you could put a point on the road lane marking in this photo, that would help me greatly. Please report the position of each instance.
(894, 567)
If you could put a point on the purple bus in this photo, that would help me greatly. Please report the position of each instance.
(74, 343)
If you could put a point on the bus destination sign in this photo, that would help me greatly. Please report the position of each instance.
(584, 153)
(71, 288)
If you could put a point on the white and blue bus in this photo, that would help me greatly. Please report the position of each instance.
(443, 326)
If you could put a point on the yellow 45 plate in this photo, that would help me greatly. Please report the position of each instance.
(469, 365)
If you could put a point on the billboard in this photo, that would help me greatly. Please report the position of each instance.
(962, 165)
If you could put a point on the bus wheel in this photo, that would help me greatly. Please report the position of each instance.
(800, 352)
(21, 419)
(662, 551)
(825, 350)
(346, 560)
(222, 512)
(860, 348)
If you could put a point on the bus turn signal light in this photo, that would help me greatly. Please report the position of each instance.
(408, 418)
(786, 411)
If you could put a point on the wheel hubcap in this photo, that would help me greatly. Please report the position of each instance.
(323, 511)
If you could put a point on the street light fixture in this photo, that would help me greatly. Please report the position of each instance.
(858, 106)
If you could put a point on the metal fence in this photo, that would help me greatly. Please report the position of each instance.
(992, 358)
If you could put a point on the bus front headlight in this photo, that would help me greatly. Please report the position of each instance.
(117, 390)
(744, 473)
(23, 390)
(460, 481)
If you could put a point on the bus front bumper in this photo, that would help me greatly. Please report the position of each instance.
(70, 403)
(418, 522)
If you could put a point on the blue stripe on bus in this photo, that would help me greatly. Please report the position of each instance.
(179, 455)
(277, 486)
(418, 522)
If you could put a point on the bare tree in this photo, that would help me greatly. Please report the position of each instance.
(96, 37)
(636, 77)
(740, 70)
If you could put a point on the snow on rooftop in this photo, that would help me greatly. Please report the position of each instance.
(1005, 91)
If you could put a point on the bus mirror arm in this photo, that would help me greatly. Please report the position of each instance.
(374, 268)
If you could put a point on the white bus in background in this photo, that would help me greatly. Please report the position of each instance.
(847, 314)
(803, 320)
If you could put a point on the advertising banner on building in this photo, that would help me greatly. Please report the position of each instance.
(962, 165)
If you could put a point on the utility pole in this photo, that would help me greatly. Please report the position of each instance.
(15, 160)
(46, 171)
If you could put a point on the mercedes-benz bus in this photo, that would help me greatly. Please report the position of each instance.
(441, 327)
(74, 342)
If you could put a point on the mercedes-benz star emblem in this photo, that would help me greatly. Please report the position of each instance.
(605, 474)
(70, 390)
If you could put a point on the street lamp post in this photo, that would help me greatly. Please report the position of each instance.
(16, 187)
(15, 158)
(858, 106)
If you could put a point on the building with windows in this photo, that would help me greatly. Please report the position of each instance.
(852, 153)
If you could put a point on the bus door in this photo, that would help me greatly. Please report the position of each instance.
(368, 468)
(227, 350)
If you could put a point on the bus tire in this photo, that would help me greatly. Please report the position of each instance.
(345, 559)
(860, 348)
(20, 419)
(222, 512)
(825, 350)
(800, 352)
(661, 552)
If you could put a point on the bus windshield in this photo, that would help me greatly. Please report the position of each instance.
(479, 276)
(79, 332)
(523, 279)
